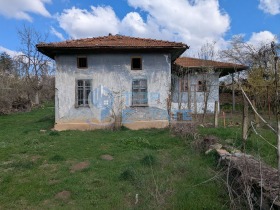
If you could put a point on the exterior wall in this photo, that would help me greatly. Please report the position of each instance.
(181, 98)
(112, 71)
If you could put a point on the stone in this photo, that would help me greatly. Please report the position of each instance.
(107, 157)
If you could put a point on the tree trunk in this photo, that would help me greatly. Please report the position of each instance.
(216, 114)
(245, 121)
(233, 93)
(189, 93)
(277, 104)
(37, 101)
(205, 106)
(195, 101)
(257, 119)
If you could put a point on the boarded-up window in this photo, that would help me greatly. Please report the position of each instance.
(136, 63)
(83, 88)
(184, 84)
(82, 62)
(202, 86)
(139, 92)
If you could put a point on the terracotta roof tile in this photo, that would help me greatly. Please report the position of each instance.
(113, 41)
(195, 62)
(223, 68)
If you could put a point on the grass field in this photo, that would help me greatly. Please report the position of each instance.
(146, 169)
(259, 142)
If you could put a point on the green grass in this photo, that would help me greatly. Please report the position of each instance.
(254, 145)
(162, 170)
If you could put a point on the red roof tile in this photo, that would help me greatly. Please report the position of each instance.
(196, 63)
(223, 68)
(114, 41)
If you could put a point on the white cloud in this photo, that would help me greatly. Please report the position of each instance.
(270, 6)
(57, 34)
(191, 21)
(82, 23)
(20, 9)
(262, 37)
(9, 52)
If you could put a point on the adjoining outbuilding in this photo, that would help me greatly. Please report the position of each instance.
(195, 83)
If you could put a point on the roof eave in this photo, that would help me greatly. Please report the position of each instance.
(51, 51)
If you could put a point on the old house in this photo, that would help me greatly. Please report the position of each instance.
(195, 83)
(113, 78)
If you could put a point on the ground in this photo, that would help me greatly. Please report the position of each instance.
(145, 169)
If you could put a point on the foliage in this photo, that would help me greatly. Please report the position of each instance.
(260, 81)
(255, 145)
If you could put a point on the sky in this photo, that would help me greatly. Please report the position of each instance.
(193, 22)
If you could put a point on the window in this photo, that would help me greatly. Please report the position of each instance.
(136, 63)
(82, 62)
(184, 84)
(83, 88)
(202, 87)
(139, 92)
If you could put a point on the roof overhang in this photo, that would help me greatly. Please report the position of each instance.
(52, 51)
(196, 65)
(223, 71)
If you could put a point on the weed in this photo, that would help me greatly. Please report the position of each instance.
(148, 160)
(128, 175)
(21, 165)
(54, 133)
(57, 158)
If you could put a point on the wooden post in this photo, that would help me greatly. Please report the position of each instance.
(268, 102)
(245, 121)
(195, 102)
(216, 114)
(257, 119)
(233, 93)
(189, 92)
(224, 119)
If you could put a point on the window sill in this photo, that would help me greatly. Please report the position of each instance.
(79, 106)
(140, 105)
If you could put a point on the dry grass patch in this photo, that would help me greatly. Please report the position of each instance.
(79, 166)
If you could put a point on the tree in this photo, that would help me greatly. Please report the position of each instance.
(32, 65)
(264, 71)
(207, 53)
(6, 64)
(277, 101)
(260, 76)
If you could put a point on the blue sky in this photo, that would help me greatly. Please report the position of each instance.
(193, 22)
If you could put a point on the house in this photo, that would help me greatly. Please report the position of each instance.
(102, 80)
(195, 83)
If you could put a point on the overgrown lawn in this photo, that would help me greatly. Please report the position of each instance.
(150, 169)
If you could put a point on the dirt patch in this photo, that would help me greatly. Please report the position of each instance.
(63, 195)
(106, 157)
(53, 181)
(79, 166)
(34, 158)
(49, 167)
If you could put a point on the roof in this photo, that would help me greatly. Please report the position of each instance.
(223, 67)
(111, 43)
